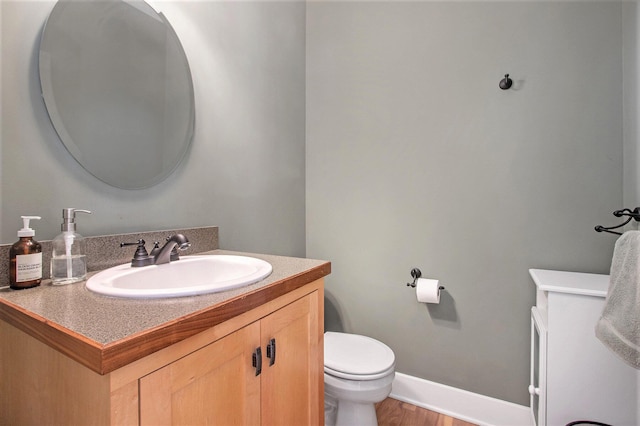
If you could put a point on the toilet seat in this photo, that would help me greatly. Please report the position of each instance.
(356, 357)
(358, 377)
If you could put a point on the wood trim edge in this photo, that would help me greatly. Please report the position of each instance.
(104, 359)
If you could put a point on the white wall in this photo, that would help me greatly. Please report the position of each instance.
(415, 158)
(245, 171)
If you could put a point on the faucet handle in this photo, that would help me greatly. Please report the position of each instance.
(141, 256)
(155, 249)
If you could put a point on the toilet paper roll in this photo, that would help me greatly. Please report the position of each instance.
(428, 290)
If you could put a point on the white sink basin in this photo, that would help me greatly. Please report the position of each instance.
(188, 276)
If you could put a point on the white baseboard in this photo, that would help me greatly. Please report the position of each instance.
(459, 403)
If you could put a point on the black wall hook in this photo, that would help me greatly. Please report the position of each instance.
(506, 82)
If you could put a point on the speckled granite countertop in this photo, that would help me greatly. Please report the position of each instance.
(94, 329)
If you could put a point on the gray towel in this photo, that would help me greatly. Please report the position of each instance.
(619, 326)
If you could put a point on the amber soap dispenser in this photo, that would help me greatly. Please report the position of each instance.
(25, 258)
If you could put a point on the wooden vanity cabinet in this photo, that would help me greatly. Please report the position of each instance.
(207, 379)
(215, 384)
(222, 384)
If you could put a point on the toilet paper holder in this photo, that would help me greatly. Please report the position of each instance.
(415, 274)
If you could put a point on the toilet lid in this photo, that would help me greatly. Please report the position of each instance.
(356, 355)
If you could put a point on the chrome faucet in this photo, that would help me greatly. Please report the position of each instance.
(170, 249)
(158, 256)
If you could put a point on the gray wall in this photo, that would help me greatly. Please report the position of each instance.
(630, 57)
(245, 171)
(415, 158)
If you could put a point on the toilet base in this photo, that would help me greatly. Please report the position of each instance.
(330, 411)
(350, 413)
(353, 413)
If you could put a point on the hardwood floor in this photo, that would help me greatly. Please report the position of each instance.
(392, 412)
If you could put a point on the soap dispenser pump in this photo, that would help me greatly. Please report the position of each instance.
(25, 258)
(68, 259)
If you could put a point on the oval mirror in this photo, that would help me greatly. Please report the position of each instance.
(117, 86)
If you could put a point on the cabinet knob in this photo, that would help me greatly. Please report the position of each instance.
(533, 390)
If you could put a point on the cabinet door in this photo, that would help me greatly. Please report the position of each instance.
(538, 384)
(215, 385)
(290, 383)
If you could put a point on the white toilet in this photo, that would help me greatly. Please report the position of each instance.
(358, 372)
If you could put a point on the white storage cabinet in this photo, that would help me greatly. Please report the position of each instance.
(573, 375)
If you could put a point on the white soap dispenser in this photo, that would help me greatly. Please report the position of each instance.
(68, 259)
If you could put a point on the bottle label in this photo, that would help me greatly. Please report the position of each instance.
(29, 267)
